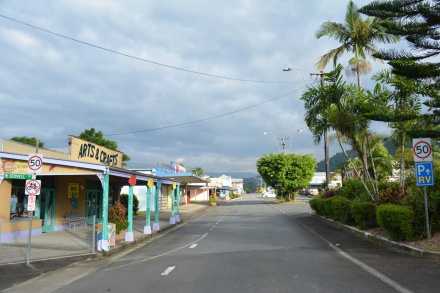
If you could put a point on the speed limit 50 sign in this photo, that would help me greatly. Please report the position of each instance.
(422, 149)
(35, 163)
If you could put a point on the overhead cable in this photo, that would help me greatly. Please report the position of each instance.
(141, 59)
(205, 119)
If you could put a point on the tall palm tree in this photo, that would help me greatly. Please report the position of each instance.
(356, 36)
(318, 101)
(198, 171)
(334, 107)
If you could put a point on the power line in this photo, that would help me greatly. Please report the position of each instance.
(141, 59)
(205, 119)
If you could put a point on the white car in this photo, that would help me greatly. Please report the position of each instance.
(270, 193)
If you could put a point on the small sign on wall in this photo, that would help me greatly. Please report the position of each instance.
(73, 190)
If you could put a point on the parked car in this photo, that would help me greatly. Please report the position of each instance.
(269, 193)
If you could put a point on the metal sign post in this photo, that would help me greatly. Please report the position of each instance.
(422, 150)
(32, 189)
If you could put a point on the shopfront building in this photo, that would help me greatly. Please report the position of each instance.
(84, 181)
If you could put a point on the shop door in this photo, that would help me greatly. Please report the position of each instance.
(47, 209)
(94, 204)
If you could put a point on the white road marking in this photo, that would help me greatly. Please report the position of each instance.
(193, 246)
(168, 270)
(163, 254)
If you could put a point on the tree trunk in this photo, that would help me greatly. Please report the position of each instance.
(358, 75)
(364, 157)
(402, 165)
(354, 168)
(327, 160)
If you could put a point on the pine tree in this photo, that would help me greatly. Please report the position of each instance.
(418, 21)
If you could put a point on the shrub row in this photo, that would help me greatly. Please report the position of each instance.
(397, 220)
(234, 195)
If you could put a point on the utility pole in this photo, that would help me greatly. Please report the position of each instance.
(326, 151)
(283, 139)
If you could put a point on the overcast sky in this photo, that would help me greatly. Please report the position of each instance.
(136, 69)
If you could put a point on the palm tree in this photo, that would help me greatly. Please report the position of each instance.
(357, 36)
(333, 107)
(198, 171)
(318, 101)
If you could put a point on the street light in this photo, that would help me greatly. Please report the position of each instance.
(266, 132)
(299, 131)
(290, 69)
(283, 139)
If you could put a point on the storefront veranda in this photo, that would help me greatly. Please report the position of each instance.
(70, 189)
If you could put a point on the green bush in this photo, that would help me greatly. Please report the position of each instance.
(314, 204)
(124, 201)
(327, 205)
(320, 205)
(415, 202)
(341, 210)
(117, 215)
(354, 189)
(390, 192)
(364, 214)
(233, 195)
(397, 220)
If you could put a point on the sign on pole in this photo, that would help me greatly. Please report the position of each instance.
(18, 176)
(424, 174)
(32, 187)
(422, 149)
(32, 199)
(35, 163)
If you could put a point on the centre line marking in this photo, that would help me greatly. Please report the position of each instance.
(193, 246)
(168, 270)
(163, 254)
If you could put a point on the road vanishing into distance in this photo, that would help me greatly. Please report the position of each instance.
(252, 245)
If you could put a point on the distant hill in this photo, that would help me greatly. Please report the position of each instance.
(235, 175)
(338, 159)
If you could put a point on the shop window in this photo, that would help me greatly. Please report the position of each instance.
(93, 184)
(19, 200)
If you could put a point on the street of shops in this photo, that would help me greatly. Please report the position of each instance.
(81, 239)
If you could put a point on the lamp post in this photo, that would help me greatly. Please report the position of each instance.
(283, 139)
(326, 147)
(290, 69)
(266, 132)
(299, 131)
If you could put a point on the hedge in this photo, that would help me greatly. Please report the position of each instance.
(321, 203)
(341, 210)
(397, 220)
(314, 204)
(364, 214)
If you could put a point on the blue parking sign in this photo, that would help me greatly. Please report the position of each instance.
(424, 174)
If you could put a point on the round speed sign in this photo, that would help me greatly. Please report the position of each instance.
(422, 149)
(35, 163)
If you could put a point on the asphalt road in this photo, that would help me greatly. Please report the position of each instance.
(251, 245)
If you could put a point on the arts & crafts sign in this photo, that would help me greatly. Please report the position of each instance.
(84, 151)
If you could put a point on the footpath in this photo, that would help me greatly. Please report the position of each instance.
(12, 274)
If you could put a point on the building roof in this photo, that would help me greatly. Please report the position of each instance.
(185, 178)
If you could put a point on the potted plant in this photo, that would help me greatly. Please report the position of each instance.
(116, 215)
(213, 201)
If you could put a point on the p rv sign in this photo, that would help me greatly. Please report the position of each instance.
(424, 174)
